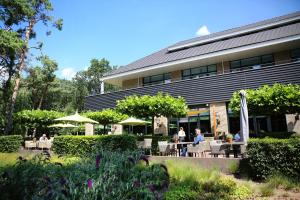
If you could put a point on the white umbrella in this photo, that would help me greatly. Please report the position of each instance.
(133, 122)
(77, 118)
(244, 123)
(63, 125)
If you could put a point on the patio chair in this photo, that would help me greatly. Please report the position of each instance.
(217, 148)
(197, 149)
(140, 144)
(147, 144)
(30, 144)
(166, 149)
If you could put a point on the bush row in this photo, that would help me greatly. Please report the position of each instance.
(10, 143)
(83, 145)
(269, 156)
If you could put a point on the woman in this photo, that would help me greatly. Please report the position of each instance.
(181, 135)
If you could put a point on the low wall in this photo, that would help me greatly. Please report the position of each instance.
(222, 164)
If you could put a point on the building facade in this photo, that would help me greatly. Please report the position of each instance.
(207, 70)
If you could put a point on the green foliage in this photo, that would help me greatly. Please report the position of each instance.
(188, 179)
(279, 135)
(107, 116)
(10, 143)
(275, 100)
(119, 176)
(88, 81)
(40, 79)
(39, 119)
(270, 156)
(84, 145)
(150, 106)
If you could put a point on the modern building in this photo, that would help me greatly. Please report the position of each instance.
(207, 70)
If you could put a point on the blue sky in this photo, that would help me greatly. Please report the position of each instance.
(123, 31)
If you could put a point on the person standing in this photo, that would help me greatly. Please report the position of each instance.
(181, 135)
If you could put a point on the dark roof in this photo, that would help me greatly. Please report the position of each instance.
(164, 55)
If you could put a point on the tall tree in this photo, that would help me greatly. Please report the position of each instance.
(21, 16)
(89, 81)
(153, 106)
(40, 79)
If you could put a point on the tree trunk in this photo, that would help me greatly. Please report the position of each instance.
(152, 125)
(9, 114)
(42, 97)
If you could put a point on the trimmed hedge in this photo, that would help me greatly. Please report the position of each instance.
(84, 145)
(269, 156)
(10, 143)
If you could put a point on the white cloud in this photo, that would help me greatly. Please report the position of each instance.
(203, 30)
(68, 73)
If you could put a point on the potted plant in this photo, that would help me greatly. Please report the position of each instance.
(229, 138)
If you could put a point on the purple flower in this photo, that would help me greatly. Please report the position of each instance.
(90, 183)
(98, 160)
(136, 184)
(152, 187)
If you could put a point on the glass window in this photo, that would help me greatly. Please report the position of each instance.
(212, 68)
(295, 54)
(195, 71)
(266, 59)
(250, 61)
(167, 76)
(186, 72)
(203, 69)
(147, 79)
(157, 78)
(235, 64)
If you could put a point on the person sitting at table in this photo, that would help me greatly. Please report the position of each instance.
(237, 137)
(43, 138)
(198, 139)
(181, 134)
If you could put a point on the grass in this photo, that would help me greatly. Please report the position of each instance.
(9, 159)
(276, 182)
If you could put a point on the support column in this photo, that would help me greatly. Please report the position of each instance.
(102, 87)
(218, 116)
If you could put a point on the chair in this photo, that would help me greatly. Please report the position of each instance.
(30, 144)
(197, 149)
(217, 148)
(147, 144)
(140, 144)
(44, 144)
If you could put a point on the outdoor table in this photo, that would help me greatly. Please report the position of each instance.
(179, 145)
(232, 146)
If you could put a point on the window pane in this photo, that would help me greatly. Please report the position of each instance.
(186, 72)
(167, 76)
(195, 71)
(157, 78)
(203, 69)
(250, 61)
(266, 59)
(212, 68)
(295, 53)
(235, 64)
(147, 79)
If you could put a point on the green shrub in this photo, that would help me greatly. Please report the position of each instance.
(117, 176)
(84, 145)
(180, 193)
(270, 156)
(10, 143)
(279, 135)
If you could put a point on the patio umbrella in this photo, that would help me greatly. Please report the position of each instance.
(77, 118)
(133, 122)
(244, 124)
(63, 125)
